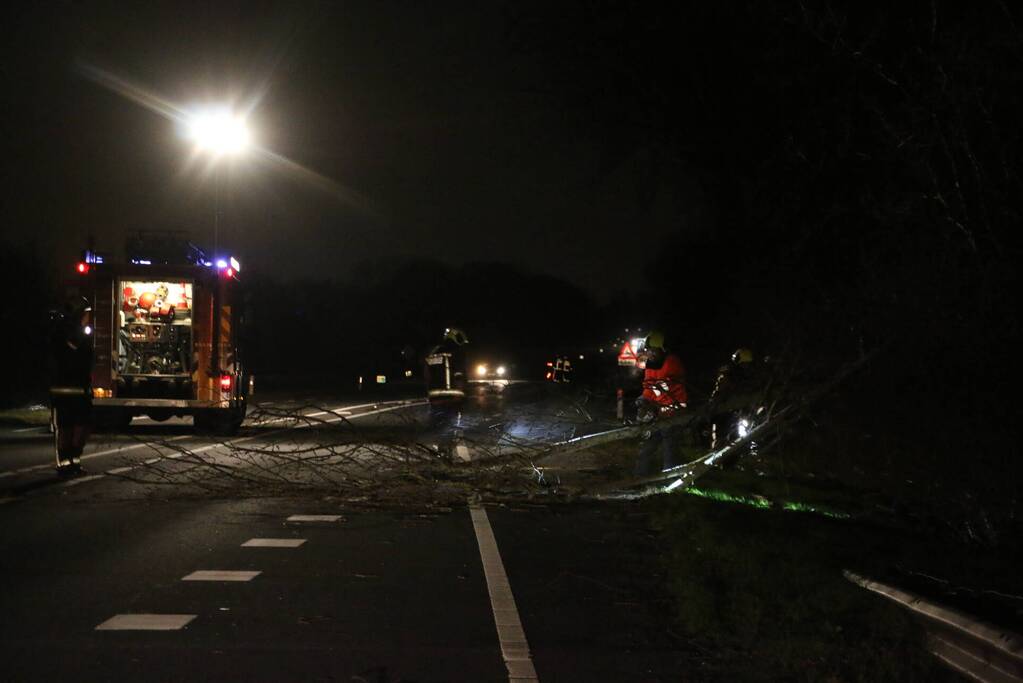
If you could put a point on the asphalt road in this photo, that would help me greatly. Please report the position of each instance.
(413, 591)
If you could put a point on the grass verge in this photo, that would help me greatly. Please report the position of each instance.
(24, 417)
(764, 589)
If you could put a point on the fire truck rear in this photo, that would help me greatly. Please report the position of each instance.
(166, 335)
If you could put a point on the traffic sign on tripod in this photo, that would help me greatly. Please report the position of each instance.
(627, 356)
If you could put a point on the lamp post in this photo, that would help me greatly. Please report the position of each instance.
(218, 133)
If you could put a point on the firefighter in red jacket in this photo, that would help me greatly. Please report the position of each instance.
(664, 395)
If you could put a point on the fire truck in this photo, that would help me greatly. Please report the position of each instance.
(165, 334)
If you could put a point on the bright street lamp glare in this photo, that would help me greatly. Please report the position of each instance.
(219, 132)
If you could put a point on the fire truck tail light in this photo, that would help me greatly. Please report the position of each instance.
(225, 382)
(82, 267)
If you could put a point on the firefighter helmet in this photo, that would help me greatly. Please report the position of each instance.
(456, 335)
(654, 340)
(742, 356)
(75, 307)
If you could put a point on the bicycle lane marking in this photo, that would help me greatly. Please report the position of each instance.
(514, 646)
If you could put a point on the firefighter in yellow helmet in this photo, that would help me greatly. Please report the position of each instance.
(664, 395)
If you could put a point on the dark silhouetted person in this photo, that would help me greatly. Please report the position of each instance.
(71, 384)
(446, 372)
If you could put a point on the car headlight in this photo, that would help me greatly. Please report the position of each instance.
(481, 370)
(500, 370)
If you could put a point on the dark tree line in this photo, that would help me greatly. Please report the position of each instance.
(860, 189)
(30, 289)
(858, 164)
(373, 315)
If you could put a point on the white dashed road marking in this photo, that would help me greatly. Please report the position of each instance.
(220, 575)
(314, 518)
(514, 646)
(273, 543)
(146, 622)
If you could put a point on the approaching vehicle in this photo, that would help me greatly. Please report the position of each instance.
(490, 373)
(166, 335)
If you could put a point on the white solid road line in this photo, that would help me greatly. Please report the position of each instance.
(88, 456)
(146, 622)
(174, 456)
(313, 518)
(82, 480)
(514, 646)
(273, 543)
(220, 575)
(342, 410)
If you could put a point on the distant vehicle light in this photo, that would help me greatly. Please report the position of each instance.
(408, 373)
(221, 263)
(381, 379)
(229, 272)
(481, 370)
(87, 329)
(82, 267)
(97, 392)
(582, 357)
(226, 381)
(234, 264)
(743, 429)
(500, 370)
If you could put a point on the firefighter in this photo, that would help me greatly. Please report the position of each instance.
(446, 370)
(664, 395)
(737, 397)
(733, 375)
(71, 384)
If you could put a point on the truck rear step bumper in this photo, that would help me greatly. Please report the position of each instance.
(158, 403)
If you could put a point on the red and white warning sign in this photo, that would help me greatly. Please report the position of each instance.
(627, 356)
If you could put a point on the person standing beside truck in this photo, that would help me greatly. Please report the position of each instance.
(71, 384)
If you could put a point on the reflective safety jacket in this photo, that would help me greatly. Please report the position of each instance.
(666, 385)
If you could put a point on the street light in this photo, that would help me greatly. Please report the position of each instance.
(218, 132)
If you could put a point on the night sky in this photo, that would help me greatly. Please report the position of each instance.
(445, 140)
